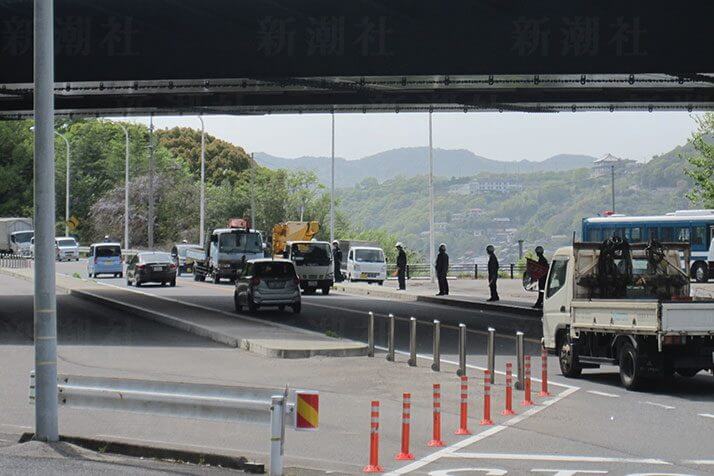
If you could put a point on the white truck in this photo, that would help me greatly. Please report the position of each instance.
(313, 264)
(15, 235)
(629, 305)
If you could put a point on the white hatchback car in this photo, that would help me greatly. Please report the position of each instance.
(66, 248)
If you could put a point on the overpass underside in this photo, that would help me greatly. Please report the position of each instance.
(302, 56)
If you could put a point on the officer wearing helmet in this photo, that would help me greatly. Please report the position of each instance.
(442, 268)
(401, 266)
(492, 273)
(541, 281)
(337, 260)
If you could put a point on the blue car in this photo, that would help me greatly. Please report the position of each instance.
(105, 258)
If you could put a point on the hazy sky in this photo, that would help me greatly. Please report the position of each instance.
(500, 136)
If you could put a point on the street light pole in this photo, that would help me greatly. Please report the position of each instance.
(612, 175)
(202, 220)
(332, 184)
(252, 190)
(66, 198)
(150, 222)
(45, 299)
(126, 185)
(431, 203)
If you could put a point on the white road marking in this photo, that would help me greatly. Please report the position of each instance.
(703, 462)
(19, 427)
(706, 415)
(478, 437)
(486, 471)
(603, 394)
(661, 405)
(569, 472)
(561, 458)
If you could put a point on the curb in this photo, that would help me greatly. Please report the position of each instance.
(525, 312)
(376, 293)
(153, 452)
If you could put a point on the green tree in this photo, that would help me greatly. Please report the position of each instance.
(702, 162)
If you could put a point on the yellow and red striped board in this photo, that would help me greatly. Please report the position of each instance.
(308, 410)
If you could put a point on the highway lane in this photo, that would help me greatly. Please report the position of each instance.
(600, 415)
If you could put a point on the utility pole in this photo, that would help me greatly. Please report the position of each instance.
(332, 184)
(45, 299)
(202, 213)
(66, 185)
(126, 185)
(431, 202)
(612, 175)
(252, 190)
(150, 223)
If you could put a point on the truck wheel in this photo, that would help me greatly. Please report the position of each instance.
(687, 373)
(380, 283)
(216, 279)
(700, 272)
(326, 290)
(297, 307)
(236, 302)
(195, 276)
(252, 306)
(569, 362)
(631, 371)
(281, 308)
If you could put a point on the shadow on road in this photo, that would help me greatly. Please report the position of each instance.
(699, 388)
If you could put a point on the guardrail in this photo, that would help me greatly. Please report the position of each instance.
(269, 406)
(15, 261)
(472, 271)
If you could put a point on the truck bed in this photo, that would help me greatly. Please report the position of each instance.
(644, 316)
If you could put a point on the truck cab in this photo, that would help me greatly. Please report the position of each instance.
(366, 263)
(313, 263)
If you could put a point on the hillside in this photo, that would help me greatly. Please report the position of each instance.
(546, 210)
(413, 161)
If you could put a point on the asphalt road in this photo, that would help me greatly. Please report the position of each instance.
(594, 426)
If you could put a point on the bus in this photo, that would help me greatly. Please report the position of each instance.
(692, 226)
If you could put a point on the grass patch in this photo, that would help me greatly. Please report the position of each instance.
(76, 275)
(330, 333)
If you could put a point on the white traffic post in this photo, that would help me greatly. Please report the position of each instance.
(45, 303)
(277, 434)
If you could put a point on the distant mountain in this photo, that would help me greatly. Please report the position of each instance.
(412, 161)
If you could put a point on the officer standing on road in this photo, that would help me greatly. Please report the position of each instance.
(541, 281)
(442, 268)
(492, 273)
(337, 259)
(401, 267)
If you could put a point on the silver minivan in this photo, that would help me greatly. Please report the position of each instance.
(267, 282)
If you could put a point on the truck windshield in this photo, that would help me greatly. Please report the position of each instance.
(318, 254)
(66, 242)
(23, 236)
(233, 243)
(369, 256)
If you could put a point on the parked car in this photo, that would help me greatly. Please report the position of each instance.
(151, 267)
(178, 254)
(66, 248)
(267, 282)
(105, 258)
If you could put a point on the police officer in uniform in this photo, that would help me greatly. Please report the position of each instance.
(541, 281)
(442, 268)
(401, 267)
(492, 273)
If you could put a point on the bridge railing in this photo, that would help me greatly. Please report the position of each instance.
(460, 270)
(10, 261)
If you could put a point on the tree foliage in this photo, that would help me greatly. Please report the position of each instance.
(702, 162)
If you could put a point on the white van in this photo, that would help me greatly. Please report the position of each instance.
(366, 263)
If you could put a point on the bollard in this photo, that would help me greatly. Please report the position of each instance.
(436, 433)
(436, 351)
(277, 434)
(492, 353)
(412, 342)
(527, 388)
(509, 390)
(544, 374)
(464, 408)
(373, 466)
(390, 338)
(519, 361)
(486, 399)
(406, 421)
(370, 335)
(511, 270)
(462, 350)
(475, 271)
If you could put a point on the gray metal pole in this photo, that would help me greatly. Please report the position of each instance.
(252, 191)
(520, 361)
(390, 338)
(150, 222)
(431, 203)
(412, 342)
(66, 184)
(202, 212)
(126, 186)
(277, 435)
(436, 349)
(45, 301)
(332, 184)
(462, 350)
(370, 335)
(492, 353)
(612, 174)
